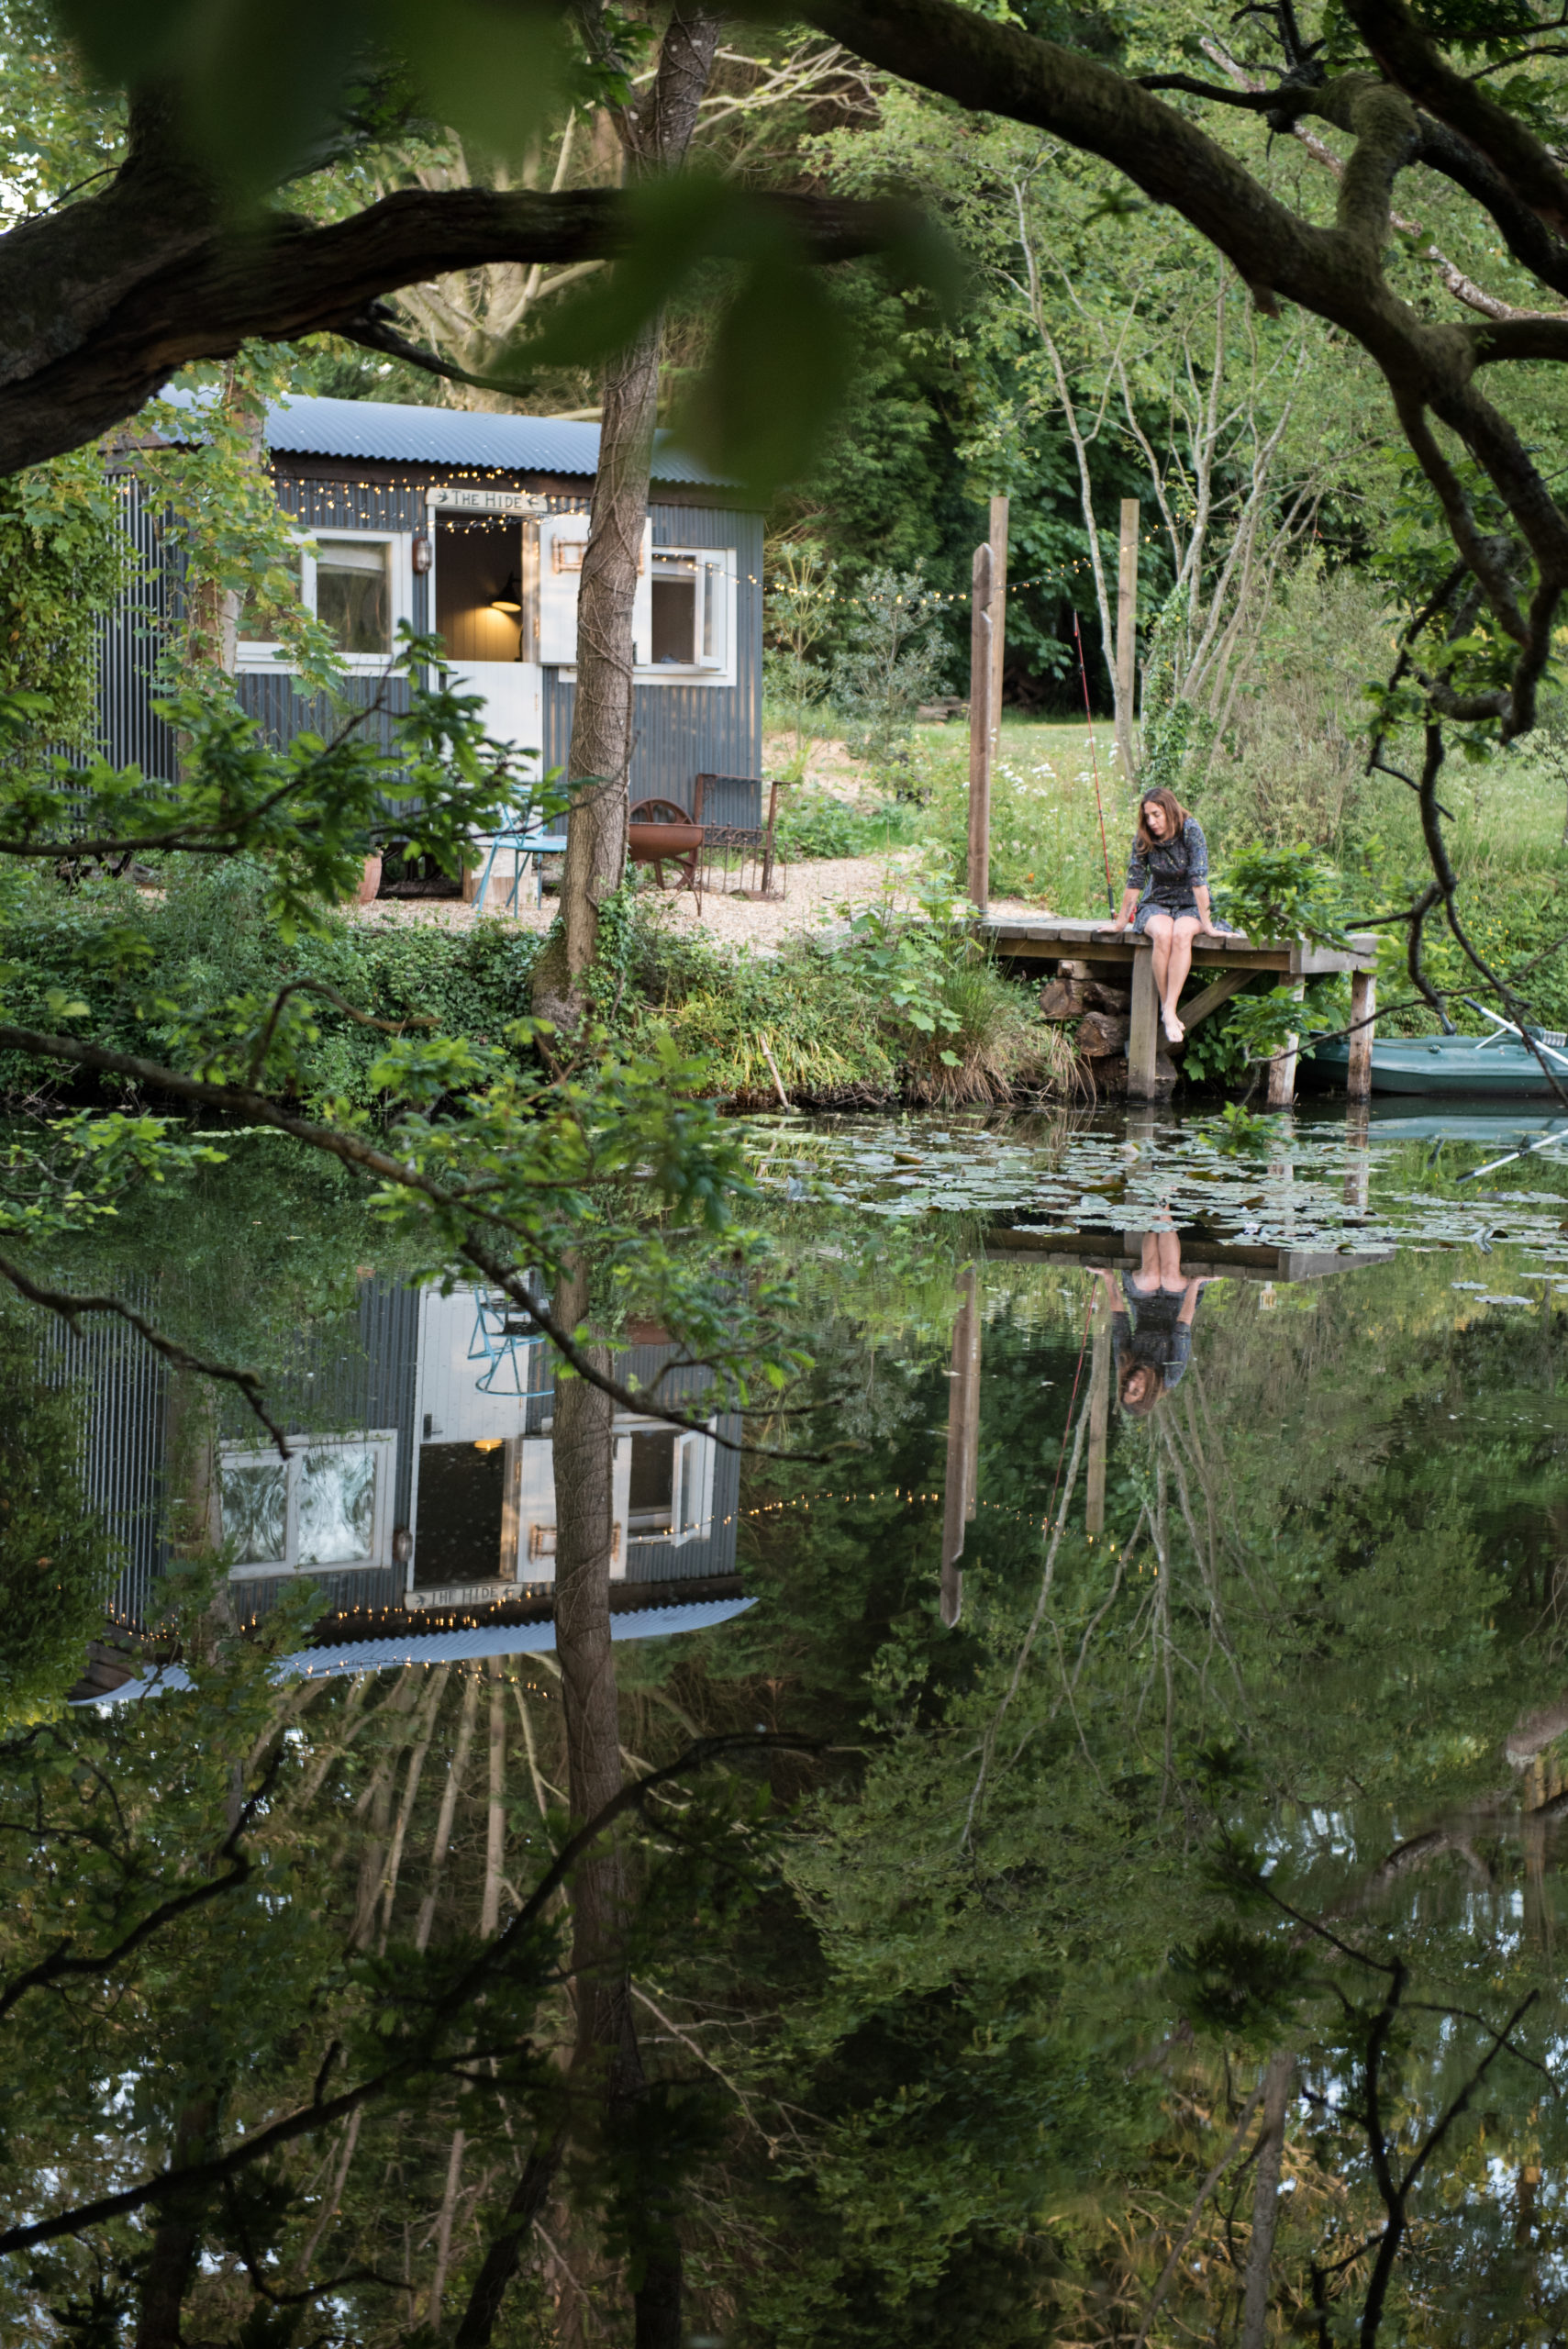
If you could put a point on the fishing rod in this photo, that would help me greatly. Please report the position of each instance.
(1094, 763)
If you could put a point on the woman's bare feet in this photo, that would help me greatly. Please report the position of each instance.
(1175, 1031)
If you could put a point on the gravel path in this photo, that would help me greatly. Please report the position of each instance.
(816, 892)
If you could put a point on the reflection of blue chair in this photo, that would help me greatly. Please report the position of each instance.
(504, 1340)
(528, 840)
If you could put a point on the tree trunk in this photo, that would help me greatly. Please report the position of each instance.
(448, 1812)
(1265, 2200)
(655, 137)
(606, 2045)
(377, 1802)
(176, 2238)
(582, 1447)
(410, 1790)
(495, 1814)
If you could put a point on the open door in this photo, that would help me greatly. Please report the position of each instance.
(482, 564)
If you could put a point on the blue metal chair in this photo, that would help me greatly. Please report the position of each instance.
(527, 843)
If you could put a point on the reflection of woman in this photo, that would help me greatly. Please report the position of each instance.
(1166, 895)
(1153, 1337)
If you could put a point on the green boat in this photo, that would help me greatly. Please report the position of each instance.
(1496, 1067)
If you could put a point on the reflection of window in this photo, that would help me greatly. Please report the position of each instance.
(350, 584)
(652, 1483)
(670, 1494)
(325, 1506)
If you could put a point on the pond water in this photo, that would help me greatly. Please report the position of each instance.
(1120, 1905)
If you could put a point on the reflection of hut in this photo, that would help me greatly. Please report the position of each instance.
(421, 1484)
(114, 1676)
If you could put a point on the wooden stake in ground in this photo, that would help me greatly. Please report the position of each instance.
(998, 615)
(979, 875)
(1127, 639)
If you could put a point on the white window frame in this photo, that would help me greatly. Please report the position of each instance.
(715, 611)
(559, 544)
(691, 1484)
(252, 655)
(383, 1442)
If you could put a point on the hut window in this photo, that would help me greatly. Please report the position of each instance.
(353, 593)
(358, 587)
(327, 1505)
(670, 1494)
(692, 621)
(652, 1484)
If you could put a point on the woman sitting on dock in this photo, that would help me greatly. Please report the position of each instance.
(1153, 1338)
(1166, 895)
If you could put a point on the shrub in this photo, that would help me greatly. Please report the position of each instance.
(139, 962)
(818, 825)
(895, 659)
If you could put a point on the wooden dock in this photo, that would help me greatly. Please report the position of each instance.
(1231, 959)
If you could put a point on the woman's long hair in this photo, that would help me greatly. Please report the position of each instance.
(1137, 1407)
(1176, 818)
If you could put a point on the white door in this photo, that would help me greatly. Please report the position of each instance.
(513, 693)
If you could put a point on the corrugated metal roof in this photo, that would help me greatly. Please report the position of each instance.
(388, 431)
(450, 1647)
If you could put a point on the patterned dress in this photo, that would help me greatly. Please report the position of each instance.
(1168, 872)
(1151, 1331)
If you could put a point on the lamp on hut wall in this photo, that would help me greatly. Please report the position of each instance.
(510, 598)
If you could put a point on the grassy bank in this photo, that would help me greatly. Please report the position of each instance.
(1276, 787)
(903, 1008)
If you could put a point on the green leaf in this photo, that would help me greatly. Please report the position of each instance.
(775, 383)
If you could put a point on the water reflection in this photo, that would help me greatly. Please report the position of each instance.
(1152, 1337)
(1153, 1931)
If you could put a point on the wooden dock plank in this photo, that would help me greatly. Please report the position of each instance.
(1028, 937)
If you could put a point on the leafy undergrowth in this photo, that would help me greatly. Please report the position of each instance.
(907, 1007)
(141, 965)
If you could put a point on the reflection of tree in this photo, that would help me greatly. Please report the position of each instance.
(1295, 1630)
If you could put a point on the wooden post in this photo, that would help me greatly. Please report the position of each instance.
(980, 731)
(1282, 1069)
(1127, 639)
(1143, 1038)
(1363, 1005)
(963, 1443)
(1099, 1419)
(998, 614)
(1358, 1157)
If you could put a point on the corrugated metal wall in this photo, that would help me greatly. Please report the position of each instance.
(686, 730)
(683, 730)
(129, 642)
(124, 1387)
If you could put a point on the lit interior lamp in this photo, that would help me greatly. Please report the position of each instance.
(510, 599)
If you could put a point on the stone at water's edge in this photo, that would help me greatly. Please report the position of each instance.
(1108, 1076)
